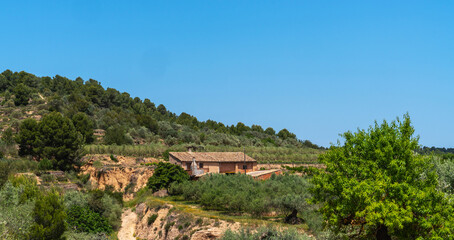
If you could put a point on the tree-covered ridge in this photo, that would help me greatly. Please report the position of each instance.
(128, 120)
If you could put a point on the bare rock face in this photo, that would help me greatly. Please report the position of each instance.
(162, 221)
(211, 233)
(124, 176)
(161, 193)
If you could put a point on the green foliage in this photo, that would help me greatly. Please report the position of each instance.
(11, 166)
(45, 164)
(83, 219)
(94, 211)
(72, 235)
(117, 135)
(7, 136)
(113, 158)
(22, 94)
(108, 107)
(54, 138)
(49, 217)
(151, 219)
(445, 172)
(168, 226)
(264, 233)
(27, 184)
(15, 215)
(59, 141)
(108, 205)
(97, 164)
(148, 122)
(4, 172)
(27, 137)
(374, 185)
(84, 125)
(285, 134)
(165, 174)
(287, 194)
(148, 150)
(75, 198)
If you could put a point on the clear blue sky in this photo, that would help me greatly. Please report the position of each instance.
(318, 68)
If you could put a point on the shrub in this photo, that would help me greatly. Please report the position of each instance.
(108, 205)
(117, 135)
(49, 216)
(15, 216)
(97, 164)
(7, 136)
(165, 174)
(75, 198)
(168, 226)
(21, 94)
(45, 164)
(152, 219)
(83, 219)
(113, 158)
(264, 233)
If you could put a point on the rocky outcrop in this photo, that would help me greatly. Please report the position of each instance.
(162, 221)
(125, 175)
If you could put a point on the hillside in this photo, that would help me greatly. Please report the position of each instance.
(115, 122)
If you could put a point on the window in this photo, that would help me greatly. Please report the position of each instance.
(244, 166)
(188, 165)
(200, 165)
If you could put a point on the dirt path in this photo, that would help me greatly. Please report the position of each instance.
(128, 224)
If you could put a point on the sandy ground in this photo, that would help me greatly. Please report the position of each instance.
(128, 224)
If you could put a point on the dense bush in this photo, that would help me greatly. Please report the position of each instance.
(445, 171)
(85, 208)
(286, 194)
(108, 204)
(84, 125)
(117, 135)
(15, 211)
(165, 174)
(54, 138)
(21, 94)
(83, 219)
(49, 217)
(264, 233)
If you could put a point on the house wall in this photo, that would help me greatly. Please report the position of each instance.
(216, 167)
(173, 160)
(268, 175)
(235, 167)
(227, 167)
(211, 167)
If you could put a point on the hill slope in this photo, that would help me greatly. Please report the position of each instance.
(112, 119)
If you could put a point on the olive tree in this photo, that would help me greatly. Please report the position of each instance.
(375, 186)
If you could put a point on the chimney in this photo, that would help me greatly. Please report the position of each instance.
(190, 149)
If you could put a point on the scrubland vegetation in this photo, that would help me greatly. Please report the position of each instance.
(30, 212)
(379, 183)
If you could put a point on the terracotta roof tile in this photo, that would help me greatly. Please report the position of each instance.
(211, 156)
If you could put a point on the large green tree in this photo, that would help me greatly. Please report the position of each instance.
(84, 125)
(28, 132)
(376, 186)
(21, 94)
(165, 174)
(54, 138)
(49, 217)
(59, 141)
